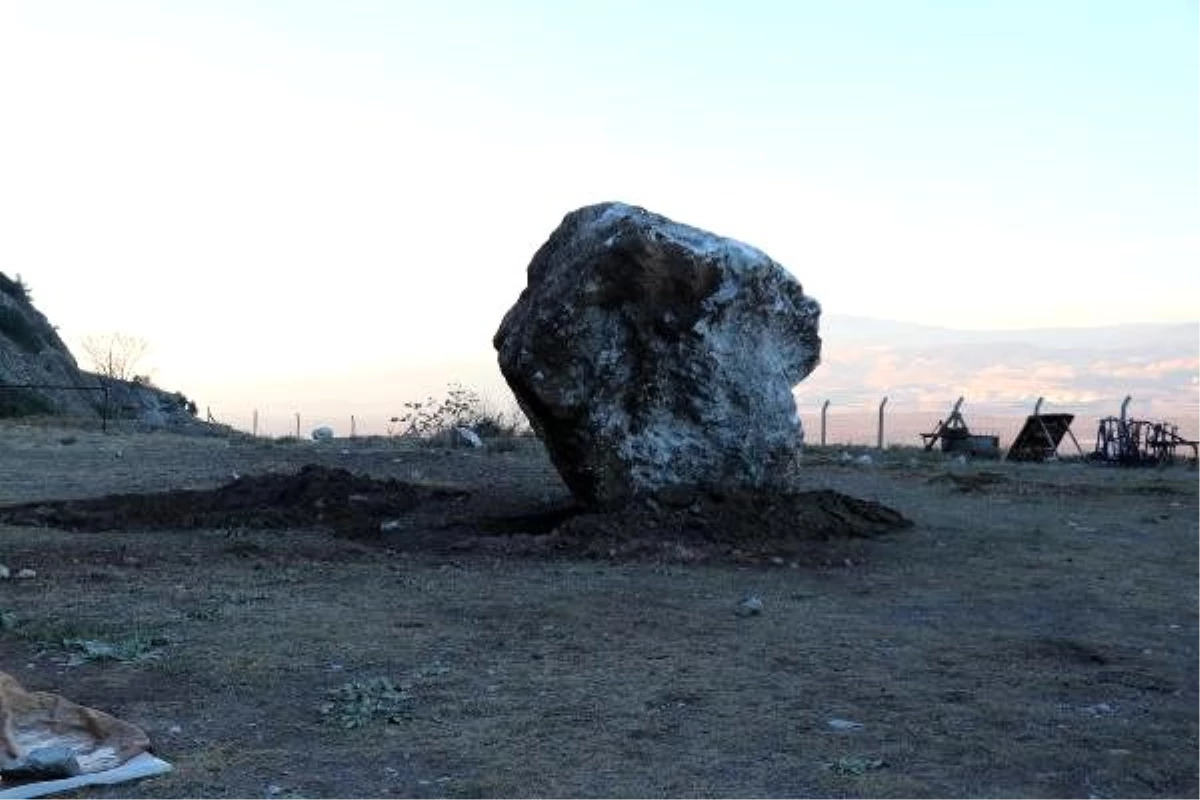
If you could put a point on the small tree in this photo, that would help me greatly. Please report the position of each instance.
(115, 355)
(461, 407)
(431, 417)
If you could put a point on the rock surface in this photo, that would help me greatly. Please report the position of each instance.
(36, 367)
(31, 353)
(649, 354)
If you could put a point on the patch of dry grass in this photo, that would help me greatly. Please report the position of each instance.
(1035, 636)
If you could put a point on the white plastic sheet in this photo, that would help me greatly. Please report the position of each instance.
(143, 765)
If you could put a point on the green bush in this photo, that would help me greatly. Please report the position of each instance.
(15, 326)
(357, 704)
(182, 401)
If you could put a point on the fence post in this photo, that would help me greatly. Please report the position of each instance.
(879, 440)
(254, 425)
(297, 424)
(824, 408)
(352, 427)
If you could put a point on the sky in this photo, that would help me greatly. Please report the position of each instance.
(305, 205)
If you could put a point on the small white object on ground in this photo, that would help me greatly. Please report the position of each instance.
(845, 725)
(26, 573)
(750, 605)
(469, 437)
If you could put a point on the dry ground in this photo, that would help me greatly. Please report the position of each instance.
(1034, 633)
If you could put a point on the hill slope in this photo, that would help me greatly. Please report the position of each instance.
(39, 376)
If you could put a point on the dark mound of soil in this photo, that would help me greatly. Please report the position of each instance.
(821, 527)
(679, 525)
(314, 496)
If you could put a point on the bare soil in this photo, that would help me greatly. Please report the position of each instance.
(694, 524)
(373, 618)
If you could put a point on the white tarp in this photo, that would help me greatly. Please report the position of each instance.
(143, 765)
(88, 746)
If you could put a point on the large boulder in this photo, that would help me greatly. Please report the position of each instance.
(648, 354)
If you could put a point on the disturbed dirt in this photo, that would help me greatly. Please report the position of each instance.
(373, 618)
(315, 495)
(739, 526)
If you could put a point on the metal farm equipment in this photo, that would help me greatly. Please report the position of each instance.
(956, 437)
(1041, 435)
(1138, 442)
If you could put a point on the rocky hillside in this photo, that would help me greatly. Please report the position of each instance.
(39, 376)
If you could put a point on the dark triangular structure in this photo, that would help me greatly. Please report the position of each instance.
(1040, 437)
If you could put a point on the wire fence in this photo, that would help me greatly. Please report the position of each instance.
(100, 391)
(297, 424)
(832, 422)
(886, 424)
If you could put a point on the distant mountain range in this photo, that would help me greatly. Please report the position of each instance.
(1089, 369)
(921, 369)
